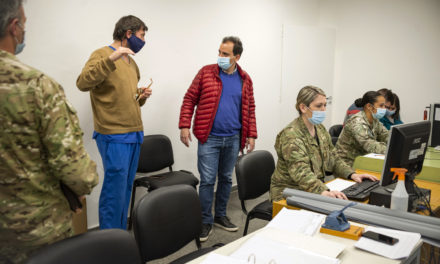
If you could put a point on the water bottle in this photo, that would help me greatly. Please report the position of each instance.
(399, 197)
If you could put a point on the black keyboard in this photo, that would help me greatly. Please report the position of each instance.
(360, 190)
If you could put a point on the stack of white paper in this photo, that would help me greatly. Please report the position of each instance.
(339, 184)
(298, 221)
(402, 249)
(214, 258)
(264, 251)
(375, 156)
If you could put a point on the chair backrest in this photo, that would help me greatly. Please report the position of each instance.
(254, 171)
(166, 219)
(335, 130)
(109, 246)
(334, 140)
(156, 153)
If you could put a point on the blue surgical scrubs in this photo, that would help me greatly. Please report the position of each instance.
(120, 156)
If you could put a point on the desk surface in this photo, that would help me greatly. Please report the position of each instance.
(433, 186)
(430, 170)
(349, 255)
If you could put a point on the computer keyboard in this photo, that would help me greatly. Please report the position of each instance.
(361, 190)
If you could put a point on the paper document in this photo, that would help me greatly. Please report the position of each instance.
(264, 250)
(298, 221)
(315, 244)
(339, 184)
(402, 249)
(375, 156)
(215, 258)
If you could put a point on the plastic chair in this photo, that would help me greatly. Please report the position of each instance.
(109, 246)
(157, 154)
(254, 171)
(166, 220)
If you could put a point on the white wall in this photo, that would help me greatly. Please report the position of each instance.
(378, 43)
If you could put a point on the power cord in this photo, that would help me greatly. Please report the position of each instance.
(424, 199)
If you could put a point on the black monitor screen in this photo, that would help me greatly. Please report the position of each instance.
(406, 149)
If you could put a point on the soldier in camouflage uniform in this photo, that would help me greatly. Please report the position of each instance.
(364, 133)
(40, 145)
(305, 151)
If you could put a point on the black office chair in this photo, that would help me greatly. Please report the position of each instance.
(334, 140)
(166, 220)
(109, 246)
(254, 171)
(157, 154)
(335, 130)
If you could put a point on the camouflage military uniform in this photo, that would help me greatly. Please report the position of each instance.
(359, 137)
(302, 162)
(40, 145)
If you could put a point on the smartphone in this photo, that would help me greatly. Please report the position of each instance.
(380, 238)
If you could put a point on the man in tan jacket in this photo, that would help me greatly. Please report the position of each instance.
(112, 77)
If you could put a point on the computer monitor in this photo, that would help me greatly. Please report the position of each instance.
(434, 118)
(407, 146)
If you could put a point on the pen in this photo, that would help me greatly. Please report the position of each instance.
(151, 82)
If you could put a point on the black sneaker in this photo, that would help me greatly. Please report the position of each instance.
(225, 223)
(206, 231)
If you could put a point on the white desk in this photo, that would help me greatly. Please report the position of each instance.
(349, 255)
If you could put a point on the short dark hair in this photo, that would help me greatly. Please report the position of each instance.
(396, 103)
(388, 94)
(238, 46)
(128, 23)
(9, 9)
(368, 98)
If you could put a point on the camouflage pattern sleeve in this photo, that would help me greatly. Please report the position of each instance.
(61, 136)
(363, 136)
(382, 133)
(96, 70)
(340, 168)
(299, 166)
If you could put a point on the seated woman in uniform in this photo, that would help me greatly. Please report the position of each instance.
(305, 151)
(364, 133)
(392, 116)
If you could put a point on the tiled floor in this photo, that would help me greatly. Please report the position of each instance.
(219, 235)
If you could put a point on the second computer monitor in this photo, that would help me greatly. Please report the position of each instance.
(407, 146)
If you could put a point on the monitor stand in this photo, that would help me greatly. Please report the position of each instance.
(381, 196)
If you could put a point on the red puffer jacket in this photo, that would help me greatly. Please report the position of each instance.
(205, 92)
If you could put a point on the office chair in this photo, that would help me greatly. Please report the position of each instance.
(254, 171)
(335, 140)
(166, 220)
(109, 246)
(334, 132)
(156, 154)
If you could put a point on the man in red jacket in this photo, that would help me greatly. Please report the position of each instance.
(224, 124)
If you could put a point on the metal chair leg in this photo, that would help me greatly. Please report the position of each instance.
(133, 196)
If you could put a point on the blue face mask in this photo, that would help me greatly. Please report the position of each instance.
(224, 63)
(380, 113)
(135, 43)
(317, 117)
(20, 46)
(390, 113)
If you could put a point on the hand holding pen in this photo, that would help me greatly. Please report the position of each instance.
(145, 92)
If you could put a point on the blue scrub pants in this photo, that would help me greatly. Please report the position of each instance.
(120, 164)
